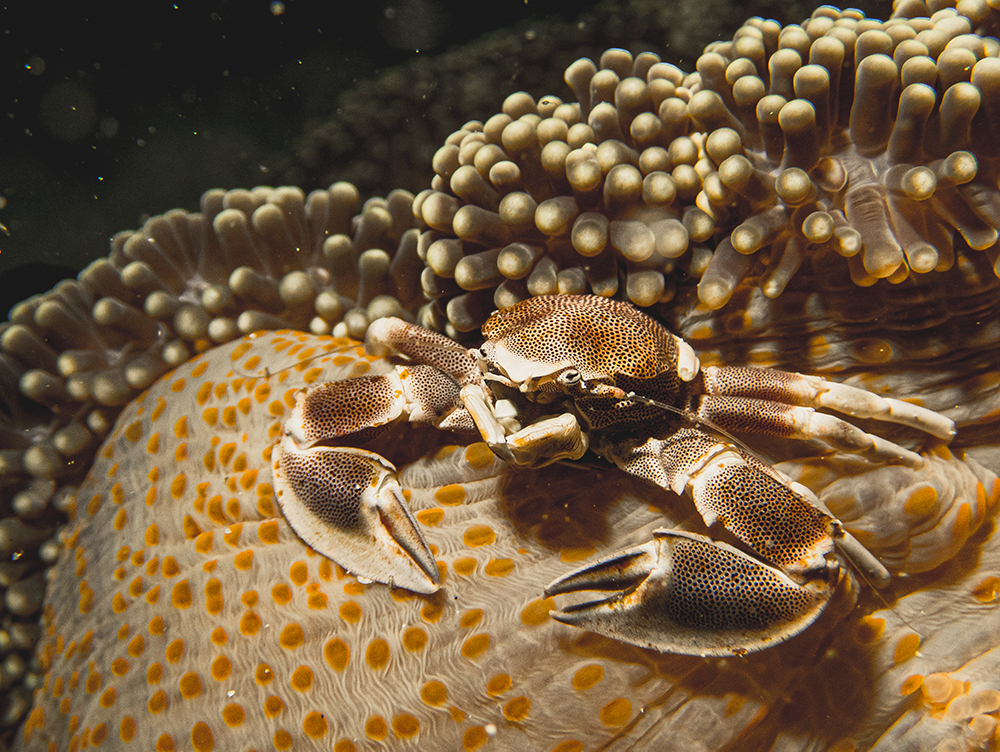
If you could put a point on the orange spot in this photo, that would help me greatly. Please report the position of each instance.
(337, 654)
(133, 432)
(201, 738)
(434, 693)
(571, 745)
(479, 535)
(249, 624)
(414, 639)
(135, 588)
(464, 566)
(136, 646)
(232, 534)
(86, 601)
(988, 590)
(377, 654)
(161, 405)
(170, 568)
(249, 598)
(869, 629)
(263, 674)
(302, 679)
(911, 684)
(203, 543)
(317, 601)
(94, 505)
(963, 521)
(118, 603)
(450, 495)
(273, 706)
(430, 517)
(616, 712)
(405, 726)
(180, 596)
(165, 743)
(499, 567)
(267, 532)
(119, 667)
(204, 392)
(475, 646)
(314, 726)
(174, 651)
(906, 648)
(350, 612)
(432, 610)
(152, 536)
(210, 415)
(354, 588)
(190, 685)
(479, 456)
(537, 611)
(281, 594)
(233, 715)
(376, 728)
(221, 668)
(158, 702)
(291, 636)
(219, 636)
(93, 683)
(126, 729)
(109, 697)
(282, 740)
(98, 735)
(471, 618)
(474, 738)
(517, 710)
(573, 554)
(921, 502)
(298, 573)
(587, 677)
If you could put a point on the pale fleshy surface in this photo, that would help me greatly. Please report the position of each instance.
(186, 614)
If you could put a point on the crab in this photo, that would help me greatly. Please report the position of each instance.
(558, 376)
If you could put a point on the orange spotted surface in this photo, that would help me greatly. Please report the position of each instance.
(184, 614)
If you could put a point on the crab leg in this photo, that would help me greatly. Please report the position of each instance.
(764, 417)
(749, 499)
(684, 593)
(812, 391)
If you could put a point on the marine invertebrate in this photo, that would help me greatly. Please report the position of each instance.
(842, 135)
(923, 670)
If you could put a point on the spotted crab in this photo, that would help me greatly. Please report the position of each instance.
(558, 375)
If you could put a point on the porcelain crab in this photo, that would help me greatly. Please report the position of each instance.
(558, 375)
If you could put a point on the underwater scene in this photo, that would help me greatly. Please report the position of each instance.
(622, 376)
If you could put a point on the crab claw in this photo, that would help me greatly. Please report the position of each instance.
(347, 504)
(685, 593)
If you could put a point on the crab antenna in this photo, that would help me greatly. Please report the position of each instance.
(694, 420)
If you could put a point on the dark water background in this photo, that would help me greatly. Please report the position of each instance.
(114, 112)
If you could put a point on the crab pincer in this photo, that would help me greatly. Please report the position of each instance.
(685, 593)
(346, 502)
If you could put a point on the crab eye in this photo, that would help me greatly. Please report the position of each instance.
(570, 377)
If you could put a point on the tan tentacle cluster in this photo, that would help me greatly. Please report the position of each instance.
(70, 359)
(875, 141)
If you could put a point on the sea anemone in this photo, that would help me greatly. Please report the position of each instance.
(845, 135)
